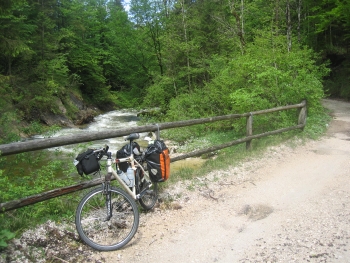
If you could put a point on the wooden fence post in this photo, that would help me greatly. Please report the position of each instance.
(302, 114)
(157, 132)
(249, 131)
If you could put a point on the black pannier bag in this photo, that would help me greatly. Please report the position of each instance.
(125, 152)
(88, 162)
(158, 161)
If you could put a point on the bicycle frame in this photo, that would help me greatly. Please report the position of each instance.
(132, 161)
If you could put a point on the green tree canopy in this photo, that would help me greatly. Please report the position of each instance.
(165, 52)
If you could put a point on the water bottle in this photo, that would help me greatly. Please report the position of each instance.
(122, 176)
(131, 176)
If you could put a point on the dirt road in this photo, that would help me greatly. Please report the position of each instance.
(289, 205)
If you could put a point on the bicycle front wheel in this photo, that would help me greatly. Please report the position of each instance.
(95, 226)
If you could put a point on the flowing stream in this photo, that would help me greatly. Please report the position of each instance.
(111, 120)
(108, 121)
(115, 120)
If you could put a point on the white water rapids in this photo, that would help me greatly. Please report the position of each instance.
(112, 120)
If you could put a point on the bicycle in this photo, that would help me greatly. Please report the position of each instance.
(107, 218)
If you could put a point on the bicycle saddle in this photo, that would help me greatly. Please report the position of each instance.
(132, 136)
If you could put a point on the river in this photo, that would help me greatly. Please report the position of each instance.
(112, 120)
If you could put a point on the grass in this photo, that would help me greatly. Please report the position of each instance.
(63, 208)
(315, 128)
(28, 174)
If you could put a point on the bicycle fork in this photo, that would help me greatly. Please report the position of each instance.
(107, 193)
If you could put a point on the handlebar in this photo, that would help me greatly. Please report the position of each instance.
(139, 156)
(101, 152)
(104, 152)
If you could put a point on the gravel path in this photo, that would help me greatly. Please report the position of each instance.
(288, 205)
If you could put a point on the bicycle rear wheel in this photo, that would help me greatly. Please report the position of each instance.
(93, 225)
(150, 198)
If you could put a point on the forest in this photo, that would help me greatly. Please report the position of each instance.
(186, 58)
(190, 58)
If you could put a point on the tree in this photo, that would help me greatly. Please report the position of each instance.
(147, 16)
(87, 46)
(15, 32)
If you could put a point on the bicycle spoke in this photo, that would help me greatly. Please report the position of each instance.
(110, 234)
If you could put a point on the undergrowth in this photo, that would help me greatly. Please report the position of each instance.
(29, 174)
(315, 128)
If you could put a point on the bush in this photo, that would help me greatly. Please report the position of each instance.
(5, 235)
(265, 76)
(28, 174)
(160, 93)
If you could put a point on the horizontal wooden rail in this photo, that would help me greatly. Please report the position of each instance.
(77, 187)
(232, 143)
(39, 144)
(13, 148)
(29, 200)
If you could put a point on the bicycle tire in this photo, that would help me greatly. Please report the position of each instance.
(102, 234)
(148, 200)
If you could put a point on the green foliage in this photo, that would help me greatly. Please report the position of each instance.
(228, 52)
(74, 45)
(55, 74)
(187, 106)
(5, 235)
(317, 125)
(8, 115)
(332, 23)
(33, 173)
(15, 32)
(8, 120)
(126, 99)
(160, 93)
(34, 128)
(265, 76)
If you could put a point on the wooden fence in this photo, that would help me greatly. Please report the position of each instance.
(19, 147)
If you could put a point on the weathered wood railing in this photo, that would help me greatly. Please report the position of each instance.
(19, 147)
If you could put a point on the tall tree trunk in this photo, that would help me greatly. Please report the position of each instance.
(330, 35)
(289, 27)
(154, 31)
(186, 41)
(10, 66)
(299, 20)
(242, 16)
(42, 31)
(277, 18)
(166, 6)
(239, 23)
